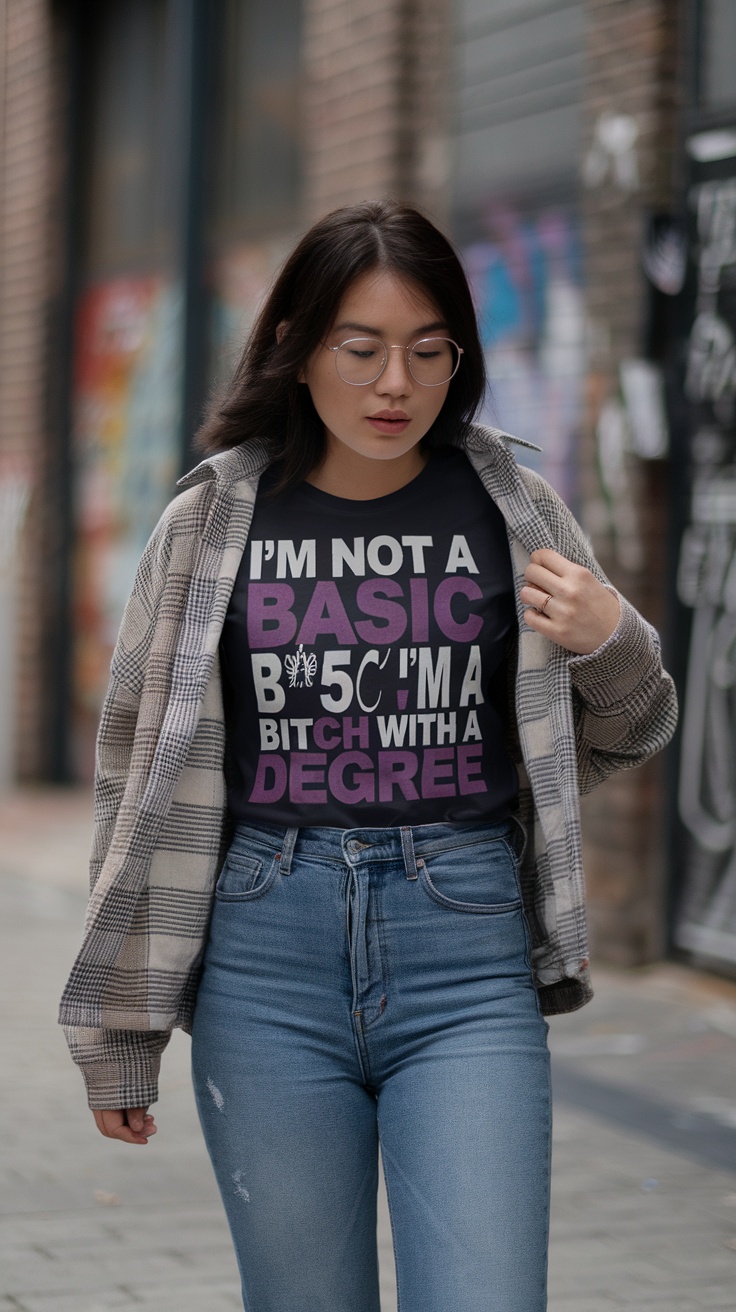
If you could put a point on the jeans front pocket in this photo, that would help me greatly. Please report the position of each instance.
(245, 877)
(479, 877)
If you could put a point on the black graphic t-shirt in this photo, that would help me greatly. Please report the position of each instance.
(363, 656)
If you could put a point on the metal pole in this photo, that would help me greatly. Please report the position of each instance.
(197, 29)
(59, 765)
(691, 18)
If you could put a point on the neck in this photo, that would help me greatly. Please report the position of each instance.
(346, 473)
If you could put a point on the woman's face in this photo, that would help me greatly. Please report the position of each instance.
(384, 419)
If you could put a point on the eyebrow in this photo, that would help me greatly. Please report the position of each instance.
(377, 332)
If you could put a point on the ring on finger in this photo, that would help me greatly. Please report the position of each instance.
(545, 603)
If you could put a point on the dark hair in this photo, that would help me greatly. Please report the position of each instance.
(264, 399)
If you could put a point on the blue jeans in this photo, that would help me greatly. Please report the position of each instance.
(366, 983)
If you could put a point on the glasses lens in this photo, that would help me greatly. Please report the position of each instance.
(434, 361)
(361, 360)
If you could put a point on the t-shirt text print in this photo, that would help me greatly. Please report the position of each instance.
(363, 656)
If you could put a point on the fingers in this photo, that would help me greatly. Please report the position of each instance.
(128, 1125)
(567, 603)
(553, 573)
(540, 621)
(551, 560)
(538, 592)
(533, 594)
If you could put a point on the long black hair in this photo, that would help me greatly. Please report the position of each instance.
(264, 398)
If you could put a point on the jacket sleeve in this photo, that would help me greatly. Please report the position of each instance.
(120, 1067)
(624, 702)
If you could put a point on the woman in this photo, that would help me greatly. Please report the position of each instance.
(367, 666)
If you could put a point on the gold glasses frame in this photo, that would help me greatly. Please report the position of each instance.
(407, 349)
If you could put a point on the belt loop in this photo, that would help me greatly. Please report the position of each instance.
(407, 847)
(287, 850)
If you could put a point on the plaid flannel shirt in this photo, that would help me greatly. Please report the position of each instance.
(160, 814)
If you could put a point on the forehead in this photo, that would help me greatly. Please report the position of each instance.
(380, 299)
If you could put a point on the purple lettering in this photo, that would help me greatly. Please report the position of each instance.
(320, 732)
(397, 769)
(372, 597)
(307, 771)
(419, 610)
(437, 763)
(326, 614)
(468, 630)
(364, 787)
(269, 603)
(263, 791)
(469, 764)
(352, 732)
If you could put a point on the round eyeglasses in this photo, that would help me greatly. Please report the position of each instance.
(431, 362)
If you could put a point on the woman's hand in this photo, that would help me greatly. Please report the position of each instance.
(130, 1125)
(567, 603)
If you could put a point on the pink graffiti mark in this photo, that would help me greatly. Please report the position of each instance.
(402, 695)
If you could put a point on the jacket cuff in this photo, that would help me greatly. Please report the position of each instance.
(621, 664)
(120, 1067)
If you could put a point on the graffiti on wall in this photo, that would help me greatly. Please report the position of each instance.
(127, 416)
(706, 920)
(127, 385)
(527, 283)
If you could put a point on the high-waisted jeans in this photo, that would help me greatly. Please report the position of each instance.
(366, 984)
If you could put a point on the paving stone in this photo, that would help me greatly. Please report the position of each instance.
(636, 1224)
(200, 1297)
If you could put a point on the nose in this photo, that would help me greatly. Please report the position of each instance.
(395, 379)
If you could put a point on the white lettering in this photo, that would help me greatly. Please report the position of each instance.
(460, 556)
(371, 657)
(392, 729)
(342, 555)
(472, 679)
(374, 560)
(335, 678)
(416, 545)
(433, 685)
(256, 556)
(305, 560)
(472, 728)
(266, 668)
(301, 726)
(446, 727)
(269, 735)
(426, 721)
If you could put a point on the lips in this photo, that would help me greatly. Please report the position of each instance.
(389, 421)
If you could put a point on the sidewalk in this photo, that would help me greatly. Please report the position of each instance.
(644, 1201)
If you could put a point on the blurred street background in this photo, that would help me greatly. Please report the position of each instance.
(158, 158)
(644, 1143)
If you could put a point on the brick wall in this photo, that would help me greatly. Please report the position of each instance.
(632, 64)
(375, 102)
(375, 121)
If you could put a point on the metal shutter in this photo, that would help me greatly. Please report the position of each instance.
(516, 96)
